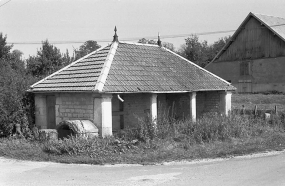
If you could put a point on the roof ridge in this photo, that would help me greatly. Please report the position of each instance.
(196, 65)
(60, 70)
(140, 44)
(267, 15)
(106, 67)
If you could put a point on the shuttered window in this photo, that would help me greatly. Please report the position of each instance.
(244, 68)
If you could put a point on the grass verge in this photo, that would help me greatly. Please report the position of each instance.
(212, 136)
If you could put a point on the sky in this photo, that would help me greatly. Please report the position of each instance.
(69, 23)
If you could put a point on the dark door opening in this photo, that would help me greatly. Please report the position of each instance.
(117, 114)
(51, 112)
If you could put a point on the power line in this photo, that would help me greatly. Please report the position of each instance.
(5, 3)
(135, 38)
(124, 39)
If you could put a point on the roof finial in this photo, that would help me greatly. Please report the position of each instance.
(158, 41)
(115, 37)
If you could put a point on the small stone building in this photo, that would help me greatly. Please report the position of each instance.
(117, 84)
(254, 58)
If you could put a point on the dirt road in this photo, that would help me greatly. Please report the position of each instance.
(261, 169)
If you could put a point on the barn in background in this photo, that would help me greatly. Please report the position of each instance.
(254, 59)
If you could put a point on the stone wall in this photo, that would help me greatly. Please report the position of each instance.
(72, 106)
(79, 106)
(68, 106)
(212, 102)
(205, 102)
(209, 102)
(178, 105)
(135, 106)
(175, 105)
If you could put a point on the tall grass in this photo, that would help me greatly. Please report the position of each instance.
(209, 128)
(166, 139)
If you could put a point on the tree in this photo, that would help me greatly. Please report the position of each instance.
(213, 49)
(167, 45)
(218, 45)
(66, 59)
(13, 110)
(4, 48)
(17, 54)
(14, 81)
(88, 47)
(147, 41)
(34, 67)
(193, 50)
(48, 60)
(201, 53)
(15, 60)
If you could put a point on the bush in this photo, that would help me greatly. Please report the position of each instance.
(15, 103)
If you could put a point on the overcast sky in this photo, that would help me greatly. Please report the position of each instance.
(77, 21)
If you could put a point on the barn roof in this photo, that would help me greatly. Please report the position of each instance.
(130, 68)
(275, 24)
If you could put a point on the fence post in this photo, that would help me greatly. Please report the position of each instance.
(243, 110)
(255, 110)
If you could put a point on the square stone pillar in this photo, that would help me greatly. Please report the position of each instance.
(193, 106)
(153, 108)
(103, 114)
(40, 111)
(226, 103)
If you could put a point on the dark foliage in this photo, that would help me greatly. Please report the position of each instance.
(15, 104)
(88, 47)
(200, 52)
(4, 48)
(48, 60)
(167, 45)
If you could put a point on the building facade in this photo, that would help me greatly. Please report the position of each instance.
(254, 59)
(118, 84)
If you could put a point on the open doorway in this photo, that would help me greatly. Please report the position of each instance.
(117, 114)
(50, 100)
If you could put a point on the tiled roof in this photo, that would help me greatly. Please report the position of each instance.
(275, 24)
(81, 75)
(132, 68)
(144, 68)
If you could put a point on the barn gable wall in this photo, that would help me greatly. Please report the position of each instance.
(253, 41)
